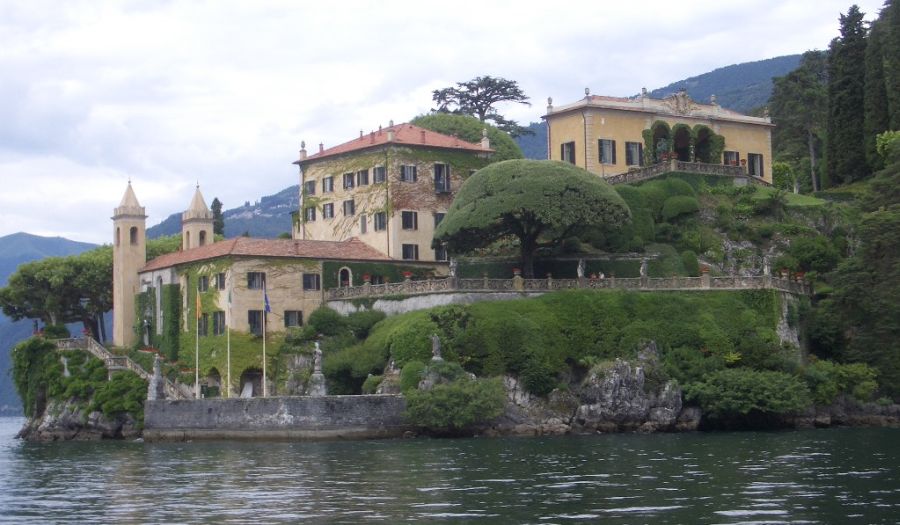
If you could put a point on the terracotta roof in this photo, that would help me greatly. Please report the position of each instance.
(403, 134)
(353, 249)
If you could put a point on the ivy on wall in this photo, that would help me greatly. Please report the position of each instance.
(390, 272)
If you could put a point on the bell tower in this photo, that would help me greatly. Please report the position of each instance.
(129, 256)
(196, 223)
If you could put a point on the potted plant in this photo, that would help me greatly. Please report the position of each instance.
(407, 275)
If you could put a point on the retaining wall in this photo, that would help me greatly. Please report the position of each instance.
(295, 418)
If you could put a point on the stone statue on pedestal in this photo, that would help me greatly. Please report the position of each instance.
(436, 348)
(316, 385)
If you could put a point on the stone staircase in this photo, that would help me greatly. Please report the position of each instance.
(117, 363)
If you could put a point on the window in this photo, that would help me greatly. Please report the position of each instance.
(732, 158)
(309, 187)
(441, 178)
(438, 217)
(349, 207)
(634, 153)
(309, 214)
(755, 164)
(407, 173)
(362, 224)
(255, 320)
(311, 281)
(567, 152)
(379, 174)
(328, 185)
(440, 253)
(293, 318)
(202, 237)
(256, 280)
(203, 325)
(133, 234)
(411, 252)
(377, 279)
(362, 178)
(607, 149)
(410, 220)
(380, 220)
(203, 283)
(220, 281)
(348, 180)
(328, 210)
(218, 319)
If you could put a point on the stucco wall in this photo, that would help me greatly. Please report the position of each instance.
(327, 417)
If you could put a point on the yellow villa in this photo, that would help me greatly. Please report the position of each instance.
(610, 135)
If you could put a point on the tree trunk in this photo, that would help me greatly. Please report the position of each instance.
(529, 245)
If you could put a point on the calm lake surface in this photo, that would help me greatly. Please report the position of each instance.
(818, 476)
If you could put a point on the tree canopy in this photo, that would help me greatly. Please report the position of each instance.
(469, 128)
(540, 202)
(477, 98)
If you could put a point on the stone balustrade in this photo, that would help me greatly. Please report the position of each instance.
(702, 168)
(518, 284)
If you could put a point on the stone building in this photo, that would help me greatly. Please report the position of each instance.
(610, 135)
(388, 188)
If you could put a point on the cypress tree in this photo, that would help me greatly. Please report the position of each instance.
(889, 20)
(218, 218)
(846, 157)
(875, 101)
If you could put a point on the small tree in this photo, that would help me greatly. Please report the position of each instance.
(540, 202)
(218, 218)
(478, 96)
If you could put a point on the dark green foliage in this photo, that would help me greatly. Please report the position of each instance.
(410, 375)
(875, 102)
(690, 263)
(469, 128)
(56, 331)
(477, 98)
(538, 202)
(815, 254)
(327, 322)
(360, 323)
(348, 368)
(218, 218)
(371, 384)
(389, 272)
(36, 369)
(679, 206)
(799, 107)
(846, 90)
(452, 407)
(737, 392)
(827, 380)
(125, 392)
(890, 17)
(686, 365)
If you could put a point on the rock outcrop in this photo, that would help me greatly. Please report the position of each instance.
(69, 421)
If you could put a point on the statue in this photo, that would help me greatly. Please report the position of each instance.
(580, 268)
(453, 267)
(436, 348)
(643, 268)
(317, 359)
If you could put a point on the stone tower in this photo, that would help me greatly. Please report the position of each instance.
(196, 223)
(129, 256)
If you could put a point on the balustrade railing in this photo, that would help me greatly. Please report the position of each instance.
(702, 168)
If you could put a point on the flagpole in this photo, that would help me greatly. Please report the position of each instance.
(265, 387)
(197, 349)
(228, 348)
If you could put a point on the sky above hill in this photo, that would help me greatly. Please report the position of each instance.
(170, 94)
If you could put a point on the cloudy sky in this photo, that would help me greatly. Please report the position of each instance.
(175, 93)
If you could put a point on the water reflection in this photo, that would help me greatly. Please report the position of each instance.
(830, 476)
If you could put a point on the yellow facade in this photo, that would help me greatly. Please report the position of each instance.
(575, 131)
(396, 216)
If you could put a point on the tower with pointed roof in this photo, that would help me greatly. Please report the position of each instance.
(196, 223)
(129, 255)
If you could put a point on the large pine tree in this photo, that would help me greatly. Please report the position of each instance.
(875, 103)
(846, 90)
(890, 24)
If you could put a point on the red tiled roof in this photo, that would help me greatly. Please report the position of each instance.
(353, 249)
(404, 134)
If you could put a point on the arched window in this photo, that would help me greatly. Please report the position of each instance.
(118, 236)
(133, 235)
(345, 277)
(187, 240)
(202, 237)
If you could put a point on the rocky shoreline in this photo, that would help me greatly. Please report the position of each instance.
(69, 421)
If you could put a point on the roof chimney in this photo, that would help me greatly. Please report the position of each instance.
(549, 104)
(485, 141)
(390, 135)
(302, 150)
(321, 147)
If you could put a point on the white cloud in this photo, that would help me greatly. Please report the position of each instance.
(222, 93)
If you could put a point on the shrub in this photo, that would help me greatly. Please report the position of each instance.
(678, 206)
(410, 375)
(361, 323)
(125, 392)
(690, 263)
(452, 407)
(371, 384)
(827, 380)
(327, 322)
(348, 368)
(740, 391)
(814, 254)
(688, 365)
(56, 331)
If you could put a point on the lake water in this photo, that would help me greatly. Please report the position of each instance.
(817, 476)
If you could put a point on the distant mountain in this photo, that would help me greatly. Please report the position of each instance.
(16, 249)
(266, 218)
(741, 87)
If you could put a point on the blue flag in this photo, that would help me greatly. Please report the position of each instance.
(266, 298)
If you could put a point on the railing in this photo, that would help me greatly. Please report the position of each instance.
(117, 362)
(702, 168)
(518, 285)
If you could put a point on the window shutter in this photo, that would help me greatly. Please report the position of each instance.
(640, 154)
(628, 156)
(613, 151)
(562, 152)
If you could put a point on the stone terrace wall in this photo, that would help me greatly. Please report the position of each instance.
(296, 418)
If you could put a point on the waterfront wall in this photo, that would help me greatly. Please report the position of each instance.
(296, 418)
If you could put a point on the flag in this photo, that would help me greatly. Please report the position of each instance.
(266, 299)
(198, 305)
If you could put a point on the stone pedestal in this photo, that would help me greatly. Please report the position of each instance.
(316, 386)
(155, 387)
